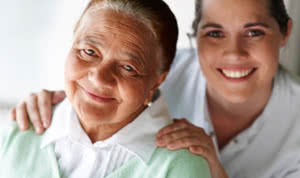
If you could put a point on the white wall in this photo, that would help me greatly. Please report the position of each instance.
(34, 40)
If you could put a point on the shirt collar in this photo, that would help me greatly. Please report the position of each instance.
(138, 137)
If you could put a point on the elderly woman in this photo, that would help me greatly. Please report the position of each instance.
(247, 104)
(121, 53)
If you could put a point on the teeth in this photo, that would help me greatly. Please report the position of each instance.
(236, 74)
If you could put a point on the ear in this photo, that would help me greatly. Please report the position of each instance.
(160, 80)
(288, 33)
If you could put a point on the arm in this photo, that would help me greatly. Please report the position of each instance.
(36, 108)
(182, 134)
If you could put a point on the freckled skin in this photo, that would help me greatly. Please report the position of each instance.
(236, 48)
(115, 42)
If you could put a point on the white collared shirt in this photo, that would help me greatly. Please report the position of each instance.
(270, 148)
(78, 157)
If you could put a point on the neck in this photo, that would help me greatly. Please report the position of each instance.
(103, 131)
(229, 119)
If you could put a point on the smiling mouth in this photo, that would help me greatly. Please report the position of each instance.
(237, 74)
(99, 98)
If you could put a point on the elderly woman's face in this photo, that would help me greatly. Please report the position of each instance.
(238, 47)
(112, 68)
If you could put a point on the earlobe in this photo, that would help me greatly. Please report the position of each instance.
(160, 80)
(148, 99)
(288, 32)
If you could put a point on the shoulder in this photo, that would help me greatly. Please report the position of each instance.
(184, 61)
(181, 163)
(283, 110)
(11, 137)
(185, 85)
(21, 155)
(184, 56)
(184, 69)
(288, 87)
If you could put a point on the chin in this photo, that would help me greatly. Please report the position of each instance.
(236, 97)
(94, 119)
(93, 113)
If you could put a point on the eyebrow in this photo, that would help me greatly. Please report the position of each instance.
(213, 25)
(256, 24)
(135, 58)
(90, 40)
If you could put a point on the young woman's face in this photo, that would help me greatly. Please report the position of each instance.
(238, 47)
(112, 68)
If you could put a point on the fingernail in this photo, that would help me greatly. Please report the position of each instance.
(160, 142)
(45, 124)
(39, 130)
(22, 126)
(171, 146)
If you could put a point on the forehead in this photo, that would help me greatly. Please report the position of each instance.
(112, 26)
(235, 10)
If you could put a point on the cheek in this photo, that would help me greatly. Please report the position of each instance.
(74, 71)
(74, 68)
(207, 57)
(267, 55)
(133, 92)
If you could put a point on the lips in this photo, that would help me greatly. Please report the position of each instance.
(101, 98)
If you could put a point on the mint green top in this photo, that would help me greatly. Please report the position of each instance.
(22, 157)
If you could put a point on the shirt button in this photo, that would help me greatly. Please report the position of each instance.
(235, 141)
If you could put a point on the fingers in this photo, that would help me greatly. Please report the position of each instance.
(37, 108)
(45, 106)
(200, 150)
(188, 139)
(185, 142)
(21, 116)
(164, 140)
(178, 124)
(58, 96)
(45, 101)
(182, 134)
(12, 114)
(193, 139)
(34, 114)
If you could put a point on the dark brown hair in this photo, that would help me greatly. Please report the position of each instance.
(277, 10)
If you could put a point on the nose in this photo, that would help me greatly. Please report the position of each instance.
(235, 49)
(102, 75)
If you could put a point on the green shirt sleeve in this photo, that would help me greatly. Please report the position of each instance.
(188, 165)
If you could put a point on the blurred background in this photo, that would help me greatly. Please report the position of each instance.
(36, 35)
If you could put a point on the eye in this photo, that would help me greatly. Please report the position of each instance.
(255, 33)
(215, 34)
(89, 52)
(128, 68)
